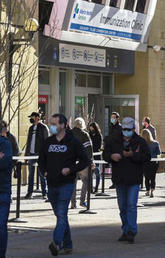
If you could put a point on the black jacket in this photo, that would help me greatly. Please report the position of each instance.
(97, 141)
(115, 131)
(127, 171)
(41, 135)
(54, 156)
(14, 144)
(85, 139)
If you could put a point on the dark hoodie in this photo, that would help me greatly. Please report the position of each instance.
(5, 165)
(55, 155)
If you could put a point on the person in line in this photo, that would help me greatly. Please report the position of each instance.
(5, 188)
(150, 167)
(11, 138)
(37, 134)
(115, 131)
(127, 154)
(97, 141)
(58, 162)
(79, 131)
(146, 124)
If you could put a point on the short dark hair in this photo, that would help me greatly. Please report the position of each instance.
(116, 114)
(62, 119)
(147, 119)
(4, 123)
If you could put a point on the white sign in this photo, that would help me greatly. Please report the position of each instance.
(108, 21)
(82, 55)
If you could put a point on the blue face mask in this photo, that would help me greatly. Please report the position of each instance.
(113, 121)
(127, 133)
(53, 129)
(143, 124)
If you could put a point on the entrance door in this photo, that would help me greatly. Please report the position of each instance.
(125, 105)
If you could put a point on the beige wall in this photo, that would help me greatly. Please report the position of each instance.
(149, 78)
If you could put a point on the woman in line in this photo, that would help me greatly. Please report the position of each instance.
(97, 140)
(150, 167)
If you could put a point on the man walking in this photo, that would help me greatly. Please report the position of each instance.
(37, 134)
(5, 188)
(146, 123)
(127, 155)
(58, 162)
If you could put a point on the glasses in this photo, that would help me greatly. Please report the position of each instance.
(127, 129)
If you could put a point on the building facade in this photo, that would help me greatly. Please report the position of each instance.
(97, 60)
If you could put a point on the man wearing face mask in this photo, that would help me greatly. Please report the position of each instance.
(61, 157)
(127, 156)
(146, 124)
(115, 132)
(37, 134)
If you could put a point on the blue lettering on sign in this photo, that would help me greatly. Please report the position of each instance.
(57, 148)
(97, 30)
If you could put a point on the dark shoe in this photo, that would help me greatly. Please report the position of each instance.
(65, 251)
(44, 196)
(131, 237)
(28, 196)
(73, 206)
(112, 187)
(123, 238)
(151, 195)
(83, 204)
(47, 200)
(147, 193)
(96, 190)
(53, 249)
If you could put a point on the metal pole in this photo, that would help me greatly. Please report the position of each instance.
(103, 177)
(18, 190)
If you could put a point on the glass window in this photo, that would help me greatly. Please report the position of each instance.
(113, 3)
(140, 6)
(80, 80)
(94, 81)
(62, 92)
(129, 4)
(43, 77)
(107, 85)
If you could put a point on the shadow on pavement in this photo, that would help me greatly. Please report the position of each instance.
(95, 241)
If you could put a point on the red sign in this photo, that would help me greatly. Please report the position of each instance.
(43, 99)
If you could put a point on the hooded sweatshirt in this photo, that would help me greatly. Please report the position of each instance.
(56, 155)
(5, 165)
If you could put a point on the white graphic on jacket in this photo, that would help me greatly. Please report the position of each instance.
(57, 148)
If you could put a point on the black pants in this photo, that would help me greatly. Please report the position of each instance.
(150, 169)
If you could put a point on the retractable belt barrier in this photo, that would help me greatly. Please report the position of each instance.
(23, 160)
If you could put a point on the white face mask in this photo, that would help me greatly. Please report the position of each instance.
(143, 124)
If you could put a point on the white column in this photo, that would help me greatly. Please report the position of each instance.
(70, 94)
(54, 91)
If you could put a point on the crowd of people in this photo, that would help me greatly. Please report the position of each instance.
(66, 154)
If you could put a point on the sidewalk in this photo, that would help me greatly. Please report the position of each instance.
(94, 235)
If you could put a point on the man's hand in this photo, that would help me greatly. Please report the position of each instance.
(116, 157)
(1, 155)
(127, 154)
(65, 171)
(45, 174)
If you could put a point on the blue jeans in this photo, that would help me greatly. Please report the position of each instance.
(4, 214)
(127, 197)
(97, 174)
(31, 177)
(59, 198)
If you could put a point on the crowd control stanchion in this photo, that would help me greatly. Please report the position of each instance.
(18, 219)
(88, 211)
(103, 181)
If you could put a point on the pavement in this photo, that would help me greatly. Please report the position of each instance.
(94, 235)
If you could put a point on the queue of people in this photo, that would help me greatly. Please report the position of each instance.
(66, 155)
